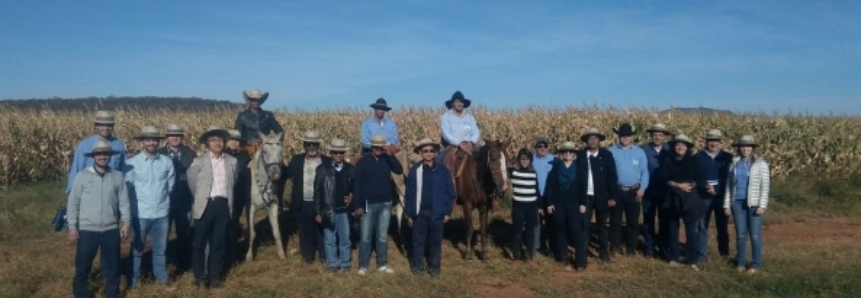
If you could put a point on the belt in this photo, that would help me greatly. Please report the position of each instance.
(216, 198)
(630, 188)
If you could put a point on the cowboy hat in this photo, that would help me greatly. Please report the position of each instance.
(104, 117)
(457, 96)
(624, 130)
(658, 127)
(256, 95)
(567, 146)
(425, 142)
(682, 138)
(101, 146)
(746, 140)
(338, 145)
(380, 104)
(592, 132)
(379, 141)
(174, 129)
(214, 130)
(312, 136)
(714, 134)
(149, 132)
(234, 134)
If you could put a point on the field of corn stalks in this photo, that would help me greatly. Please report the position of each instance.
(37, 145)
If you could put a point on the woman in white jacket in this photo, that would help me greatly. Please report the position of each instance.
(746, 200)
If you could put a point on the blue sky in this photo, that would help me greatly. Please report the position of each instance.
(737, 55)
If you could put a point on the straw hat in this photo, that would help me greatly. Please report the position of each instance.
(425, 142)
(312, 136)
(104, 117)
(380, 104)
(174, 129)
(714, 134)
(255, 95)
(658, 127)
(592, 132)
(746, 140)
(567, 146)
(149, 132)
(101, 146)
(234, 134)
(338, 145)
(214, 130)
(379, 141)
(682, 138)
(458, 96)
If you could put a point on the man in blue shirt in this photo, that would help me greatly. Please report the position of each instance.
(543, 161)
(379, 124)
(459, 130)
(150, 177)
(715, 164)
(632, 166)
(656, 151)
(104, 124)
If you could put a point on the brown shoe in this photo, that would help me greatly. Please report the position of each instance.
(752, 271)
(739, 268)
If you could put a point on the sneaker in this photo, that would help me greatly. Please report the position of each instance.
(385, 269)
(752, 271)
(674, 264)
(695, 267)
(739, 268)
(362, 271)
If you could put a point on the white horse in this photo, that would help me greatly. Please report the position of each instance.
(265, 165)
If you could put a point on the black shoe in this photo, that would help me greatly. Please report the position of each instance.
(580, 269)
(606, 259)
(198, 283)
(216, 284)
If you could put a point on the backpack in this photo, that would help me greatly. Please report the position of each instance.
(59, 222)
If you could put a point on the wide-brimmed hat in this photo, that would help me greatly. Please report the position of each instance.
(255, 95)
(104, 117)
(746, 140)
(425, 142)
(567, 146)
(149, 132)
(459, 96)
(379, 141)
(658, 127)
(592, 132)
(714, 134)
(235, 134)
(339, 145)
(214, 130)
(312, 136)
(624, 130)
(174, 129)
(682, 138)
(101, 146)
(380, 104)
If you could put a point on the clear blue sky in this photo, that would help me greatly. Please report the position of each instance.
(737, 55)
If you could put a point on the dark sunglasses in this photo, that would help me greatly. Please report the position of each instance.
(338, 152)
(312, 145)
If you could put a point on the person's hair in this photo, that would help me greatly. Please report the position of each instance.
(520, 154)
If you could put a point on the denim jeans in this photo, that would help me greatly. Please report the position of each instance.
(158, 229)
(336, 238)
(89, 243)
(427, 232)
(747, 224)
(375, 223)
(715, 206)
(650, 234)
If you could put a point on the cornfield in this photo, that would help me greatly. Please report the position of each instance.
(37, 145)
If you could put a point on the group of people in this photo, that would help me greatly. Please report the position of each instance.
(112, 197)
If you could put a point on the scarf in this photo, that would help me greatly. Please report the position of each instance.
(566, 175)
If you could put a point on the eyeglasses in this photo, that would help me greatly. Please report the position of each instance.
(566, 152)
(312, 145)
(338, 153)
(541, 146)
(428, 151)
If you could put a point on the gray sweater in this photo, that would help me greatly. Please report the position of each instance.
(97, 202)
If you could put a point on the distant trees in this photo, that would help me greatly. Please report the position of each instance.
(93, 103)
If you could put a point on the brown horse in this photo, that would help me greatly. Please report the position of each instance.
(482, 176)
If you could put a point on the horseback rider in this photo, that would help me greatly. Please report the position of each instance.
(382, 125)
(459, 132)
(254, 120)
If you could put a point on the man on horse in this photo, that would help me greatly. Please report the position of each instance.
(459, 132)
(255, 120)
(381, 125)
(104, 126)
(302, 170)
(181, 198)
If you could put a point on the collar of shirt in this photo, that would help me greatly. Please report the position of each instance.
(212, 156)
(309, 157)
(619, 146)
(338, 166)
(590, 154)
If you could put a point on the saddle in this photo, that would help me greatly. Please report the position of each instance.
(455, 159)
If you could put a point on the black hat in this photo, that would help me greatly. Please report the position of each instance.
(459, 96)
(624, 130)
(380, 104)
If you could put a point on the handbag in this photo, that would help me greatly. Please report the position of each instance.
(59, 222)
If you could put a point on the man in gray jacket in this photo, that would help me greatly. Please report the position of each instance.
(98, 201)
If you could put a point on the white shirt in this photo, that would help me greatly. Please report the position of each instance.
(590, 191)
(219, 178)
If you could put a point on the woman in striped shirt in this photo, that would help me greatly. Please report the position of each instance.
(525, 206)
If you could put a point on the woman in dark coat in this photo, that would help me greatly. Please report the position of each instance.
(565, 203)
(682, 175)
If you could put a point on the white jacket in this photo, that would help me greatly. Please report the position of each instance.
(757, 188)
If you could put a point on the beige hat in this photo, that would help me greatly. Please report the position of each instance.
(214, 130)
(379, 141)
(312, 136)
(658, 127)
(682, 138)
(174, 129)
(746, 140)
(567, 146)
(101, 146)
(149, 132)
(255, 95)
(338, 145)
(425, 142)
(592, 132)
(234, 134)
(714, 134)
(105, 117)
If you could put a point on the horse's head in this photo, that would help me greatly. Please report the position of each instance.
(270, 155)
(498, 163)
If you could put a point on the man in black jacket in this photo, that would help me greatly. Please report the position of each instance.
(253, 121)
(598, 186)
(241, 193)
(179, 214)
(333, 192)
(302, 170)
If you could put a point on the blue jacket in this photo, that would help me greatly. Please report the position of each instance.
(714, 170)
(443, 191)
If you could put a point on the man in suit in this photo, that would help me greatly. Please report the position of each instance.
(598, 167)
(302, 171)
(211, 178)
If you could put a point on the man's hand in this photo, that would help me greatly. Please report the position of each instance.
(582, 209)
(550, 209)
(466, 147)
(727, 212)
(73, 235)
(391, 150)
(640, 195)
(686, 187)
(410, 221)
(319, 219)
(711, 190)
(348, 199)
(445, 219)
(611, 203)
(760, 211)
(359, 212)
(125, 232)
(540, 212)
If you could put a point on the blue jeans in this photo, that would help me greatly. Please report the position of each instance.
(375, 222)
(158, 229)
(747, 224)
(336, 238)
(670, 223)
(427, 231)
(89, 243)
(715, 206)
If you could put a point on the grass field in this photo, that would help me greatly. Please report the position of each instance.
(811, 237)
